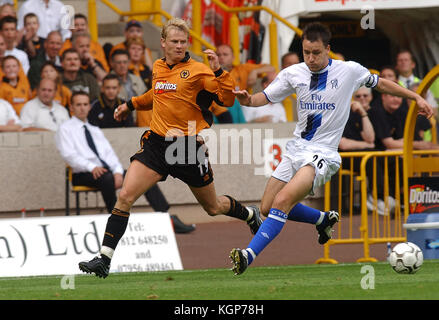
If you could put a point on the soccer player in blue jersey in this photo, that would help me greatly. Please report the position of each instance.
(324, 88)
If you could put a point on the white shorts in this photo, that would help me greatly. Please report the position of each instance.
(299, 154)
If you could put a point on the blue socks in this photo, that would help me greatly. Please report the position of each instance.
(274, 223)
(306, 214)
(269, 230)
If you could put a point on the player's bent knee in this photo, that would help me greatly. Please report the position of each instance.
(126, 198)
(282, 202)
(211, 211)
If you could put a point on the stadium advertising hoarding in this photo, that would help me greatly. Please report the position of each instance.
(55, 245)
(424, 195)
(273, 151)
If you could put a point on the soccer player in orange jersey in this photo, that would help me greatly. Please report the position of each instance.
(182, 92)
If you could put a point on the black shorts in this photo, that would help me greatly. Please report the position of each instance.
(185, 158)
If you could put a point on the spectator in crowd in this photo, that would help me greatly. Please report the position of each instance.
(2, 55)
(290, 103)
(389, 73)
(8, 29)
(75, 78)
(80, 25)
(31, 43)
(14, 86)
(7, 9)
(246, 74)
(136, 49)
(2, 48)
(364, 96)
(51, 14)
(405, 64)
(9, 121)
(359, 135)
(62, 94)
(271, 112)
(94, 163)
(133, 29)
(81, 43)
(389, 121)
(42, 112)
(288, 59)
(102, 110)
(50, 52)
(131, 85)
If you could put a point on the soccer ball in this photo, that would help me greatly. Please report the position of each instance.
(406, 257)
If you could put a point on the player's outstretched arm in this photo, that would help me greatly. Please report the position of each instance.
(255, 100)
(390, 87)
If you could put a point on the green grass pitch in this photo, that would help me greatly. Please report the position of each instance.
(376, 281)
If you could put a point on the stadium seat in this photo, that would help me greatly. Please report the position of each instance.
(77, 190)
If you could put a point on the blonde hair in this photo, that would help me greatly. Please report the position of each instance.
(176, 23)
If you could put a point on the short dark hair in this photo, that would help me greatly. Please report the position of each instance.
(65, 53)
(7, 19)
(119, 52)
(111, 76)
(387, 66)
(316, 31)
(289, 53)
(80, 16)
(30, 15)
(78, 93)
(48, 63)
(10, 57)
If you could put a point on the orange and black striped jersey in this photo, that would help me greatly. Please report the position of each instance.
(181, 96)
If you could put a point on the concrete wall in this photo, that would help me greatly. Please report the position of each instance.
(32, 173)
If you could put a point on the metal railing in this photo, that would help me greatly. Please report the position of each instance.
(372, 228)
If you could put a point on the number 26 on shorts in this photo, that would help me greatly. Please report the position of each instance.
(318, 160)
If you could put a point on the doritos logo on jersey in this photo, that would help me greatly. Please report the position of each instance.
(163, 87)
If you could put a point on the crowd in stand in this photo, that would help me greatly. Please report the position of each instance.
(43, 63)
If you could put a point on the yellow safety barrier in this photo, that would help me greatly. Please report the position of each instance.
(359, 226)
(155, 10)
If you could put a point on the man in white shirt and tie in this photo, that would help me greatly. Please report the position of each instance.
(93, 160)
(99, 168)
